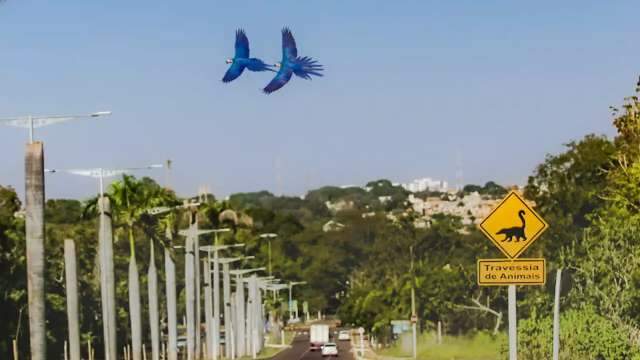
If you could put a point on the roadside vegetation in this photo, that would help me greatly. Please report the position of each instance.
(364, 268)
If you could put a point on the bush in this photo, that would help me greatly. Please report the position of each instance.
(583, 335)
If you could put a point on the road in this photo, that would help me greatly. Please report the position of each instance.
(300, 350)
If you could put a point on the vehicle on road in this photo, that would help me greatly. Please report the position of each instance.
(329, 350)
(344, 335)
(318, 336)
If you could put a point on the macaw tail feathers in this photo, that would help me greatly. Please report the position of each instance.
(258, 65)
(307, 67)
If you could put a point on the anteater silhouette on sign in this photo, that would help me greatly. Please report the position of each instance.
(514, 232)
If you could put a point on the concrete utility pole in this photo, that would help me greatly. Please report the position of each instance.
(170, 287)
(172, 318)
(105, 247)
(215, 342)
(208, 307)
(273, 286)
(193, 323)
(34, 206)
(71, 277)
(255, 317)
(252, 316)
(34, 203)
(242, 323)
(226, 299)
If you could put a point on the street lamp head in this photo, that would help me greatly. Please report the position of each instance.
(49, 170)
(155, 166)
(100, 113)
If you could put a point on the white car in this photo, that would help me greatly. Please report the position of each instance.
(329, 349)
(344, 335)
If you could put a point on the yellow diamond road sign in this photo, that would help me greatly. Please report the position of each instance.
(512, 226)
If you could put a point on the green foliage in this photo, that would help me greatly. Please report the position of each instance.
(583, 335)
(63, 211)
(567, 188)
(490, 189)
(474, 346)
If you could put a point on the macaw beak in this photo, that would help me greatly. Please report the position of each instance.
(277, 65)
(229, 61)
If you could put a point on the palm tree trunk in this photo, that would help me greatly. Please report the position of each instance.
(34, 203)
(72, 298)
(172, 321)
(134, 302)
(154, 322)
(107, 279)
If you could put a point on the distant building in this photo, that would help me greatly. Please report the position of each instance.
(472, 208)
(426, 184)
(339, 205)
(384, 199)
(332, 225)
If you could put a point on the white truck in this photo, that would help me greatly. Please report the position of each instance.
(318, 336)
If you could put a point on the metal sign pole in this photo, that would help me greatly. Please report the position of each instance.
(513, 327)
(556, 318)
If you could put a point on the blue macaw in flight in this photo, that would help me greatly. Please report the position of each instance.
(291, 64)
(242, 60)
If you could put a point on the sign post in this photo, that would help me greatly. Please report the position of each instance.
(512, 226)
(513, 324)
(556, 318)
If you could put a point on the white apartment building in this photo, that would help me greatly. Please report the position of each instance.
(425, 184)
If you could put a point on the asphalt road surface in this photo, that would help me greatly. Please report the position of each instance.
(300, 350)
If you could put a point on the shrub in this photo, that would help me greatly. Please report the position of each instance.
(583, 335)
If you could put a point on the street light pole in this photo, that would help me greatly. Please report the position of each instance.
(269, 236)
(414, 326)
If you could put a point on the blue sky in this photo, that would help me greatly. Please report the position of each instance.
(412, 88)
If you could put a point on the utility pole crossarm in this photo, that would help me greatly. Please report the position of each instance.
(101, 172)
(232, 260)
(31, 122)
(188, 232)
(164, 209)
(246, 271)
(209, 248)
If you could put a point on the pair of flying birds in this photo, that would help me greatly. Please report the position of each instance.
(291, 63)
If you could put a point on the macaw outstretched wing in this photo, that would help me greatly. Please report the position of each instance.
(289, 49)
(282, 77)
(234, 71)
(242, 44)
